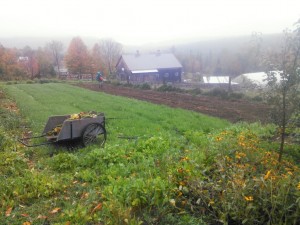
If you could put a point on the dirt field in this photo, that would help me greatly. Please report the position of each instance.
(232, 110)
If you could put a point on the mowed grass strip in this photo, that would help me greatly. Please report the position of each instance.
(130, 117)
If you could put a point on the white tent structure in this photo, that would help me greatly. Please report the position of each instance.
(216, 80)
(255, 79)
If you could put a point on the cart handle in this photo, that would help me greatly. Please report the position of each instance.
(22, 140)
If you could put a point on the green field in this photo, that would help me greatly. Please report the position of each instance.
(184, 167)
(38, 102)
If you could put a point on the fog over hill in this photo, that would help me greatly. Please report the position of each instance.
(215, 45)
(36, 42)
(193, 46)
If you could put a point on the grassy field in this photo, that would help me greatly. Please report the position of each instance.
(184, 168)
(38, 102)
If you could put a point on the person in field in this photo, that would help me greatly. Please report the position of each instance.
(99, 78)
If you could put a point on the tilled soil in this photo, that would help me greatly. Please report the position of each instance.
(232, 110)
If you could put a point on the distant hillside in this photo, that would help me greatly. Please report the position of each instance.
(184, 46)
(36, 42)
(233, 44)
(214, 45)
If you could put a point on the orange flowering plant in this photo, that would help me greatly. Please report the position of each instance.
(244, 182)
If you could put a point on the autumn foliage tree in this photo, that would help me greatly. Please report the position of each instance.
(10, 67)
(9, 61)
(77, 58)
(1, 61)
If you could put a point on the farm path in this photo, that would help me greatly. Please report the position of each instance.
(232, 110)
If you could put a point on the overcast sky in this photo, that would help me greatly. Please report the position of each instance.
(145, 21)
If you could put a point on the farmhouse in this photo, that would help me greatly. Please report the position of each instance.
(149, 68)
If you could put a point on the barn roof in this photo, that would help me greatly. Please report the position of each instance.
(137, 62)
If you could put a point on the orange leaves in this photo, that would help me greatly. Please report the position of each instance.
(77, 57)
(12, 106)
(55, 210)
(97, 208)
(26, 223)
(42, 217)
(8, 211)
(184, 159)
(84, 195)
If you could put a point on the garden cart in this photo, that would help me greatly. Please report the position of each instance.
(87, 127)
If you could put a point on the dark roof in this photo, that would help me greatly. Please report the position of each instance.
(151, 61)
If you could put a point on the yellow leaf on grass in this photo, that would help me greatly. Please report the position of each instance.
(68, 223)
(55, 210)
(8, 211)
(26, 223)
(267, 175)
(24, 214)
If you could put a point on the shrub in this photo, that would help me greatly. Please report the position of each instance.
(168, 88)
(257, 98)
(64, 162)
(9, 120)
(236, 95)
(244, 184)
(224, 94)
(144, 86)
(217, 92)
(196, 91)
(30, 82)
(128, 85)
(44, 81)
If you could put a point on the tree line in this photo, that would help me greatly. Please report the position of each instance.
(103, 56)
(227, 60)
(28, 63)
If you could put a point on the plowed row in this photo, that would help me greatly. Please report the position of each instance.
(232, 110)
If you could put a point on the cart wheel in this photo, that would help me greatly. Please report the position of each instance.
(94, 133)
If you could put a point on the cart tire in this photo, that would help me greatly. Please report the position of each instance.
(94, 133)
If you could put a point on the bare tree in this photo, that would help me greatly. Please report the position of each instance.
(284, 94)
(31, 62)
(56, 48)
(96, 60)
(44, 61)
(111, 51)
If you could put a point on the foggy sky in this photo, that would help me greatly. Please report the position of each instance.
(145, 21)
